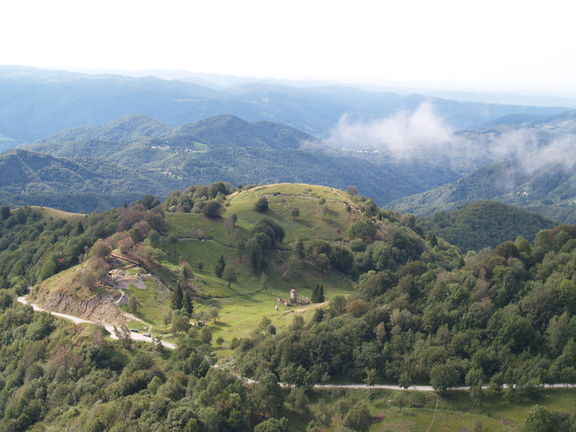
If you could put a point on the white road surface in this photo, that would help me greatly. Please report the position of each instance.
(108, 327)
(141, 337)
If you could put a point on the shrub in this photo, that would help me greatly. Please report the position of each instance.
(261, 205)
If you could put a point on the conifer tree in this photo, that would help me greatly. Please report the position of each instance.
(5, 212)
(220, 266)
(299, 249)
(320, 294)
(316, 293)
(188, 305)
(177, 298)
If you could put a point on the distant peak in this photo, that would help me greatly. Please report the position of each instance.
(223, 119)
(217, 121)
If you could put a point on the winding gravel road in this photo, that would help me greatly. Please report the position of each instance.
(141, 337)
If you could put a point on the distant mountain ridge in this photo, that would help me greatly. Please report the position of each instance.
(159, 141)
(228, 148)
(535, 172)
(141, 140)
(35, 103)
(121, 130)
(138, 155)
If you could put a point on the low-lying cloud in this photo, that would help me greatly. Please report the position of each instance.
(561, 153)
(402, 134)
(423, 135)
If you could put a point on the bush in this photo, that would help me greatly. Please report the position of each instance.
(358, 418)
(261, 205)
(272, 425)
(362, 229)
(212, 209)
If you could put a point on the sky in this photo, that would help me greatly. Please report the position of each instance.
(506, 45)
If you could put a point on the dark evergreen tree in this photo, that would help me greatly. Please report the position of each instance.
(320, 298)
(255, 255)
(261, 205)
(314, 294)
(220, 266)
(299, 249)
(187, 304)
(318, 294)
(177, 298)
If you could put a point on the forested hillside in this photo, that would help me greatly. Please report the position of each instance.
(503, 316)
(220, 148)
(211, 269)
(483, 224)
(82, 184)
(549, 191)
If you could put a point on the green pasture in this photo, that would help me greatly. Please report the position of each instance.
(408, 411)
(327, 221)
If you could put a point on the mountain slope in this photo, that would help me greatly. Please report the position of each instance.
(230, 149)
(116, 139)
(122, 130)
(83, 184)
(550, 191)
(484, 224)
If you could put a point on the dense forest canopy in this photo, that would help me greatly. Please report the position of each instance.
(484, 224)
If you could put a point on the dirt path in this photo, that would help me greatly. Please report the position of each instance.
(434, 416)
(121, 297)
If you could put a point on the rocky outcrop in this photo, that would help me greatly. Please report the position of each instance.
(121, 279)
(100, 309)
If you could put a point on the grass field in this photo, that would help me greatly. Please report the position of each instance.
(57, 214)
(456, 413)
(398, 411)
(243, 304)
(153, 305)
(326, 221)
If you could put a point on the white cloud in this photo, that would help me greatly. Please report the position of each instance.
(560, 152)
(423, 135)
(403, 135)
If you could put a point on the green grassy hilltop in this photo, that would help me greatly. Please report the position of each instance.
(252, 296)
(197, 242)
